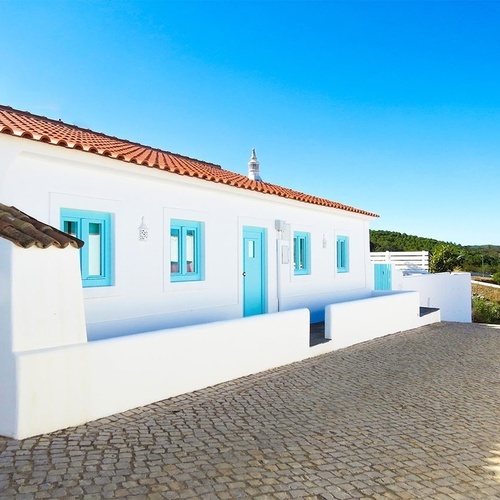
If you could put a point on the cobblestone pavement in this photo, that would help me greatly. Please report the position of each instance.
(411, 415)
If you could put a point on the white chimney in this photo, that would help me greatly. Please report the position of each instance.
(253, 168)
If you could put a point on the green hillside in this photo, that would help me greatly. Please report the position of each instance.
(476, 258)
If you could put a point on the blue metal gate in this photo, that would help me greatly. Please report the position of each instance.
(383, 276)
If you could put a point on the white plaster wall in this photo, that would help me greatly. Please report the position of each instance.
(349, 323)
(8, 400)
(6, 249)
(450, 292)
(47, 301)
(316, 302)
(41, 306)
(142, 296)
(70, 385)
(325, 285)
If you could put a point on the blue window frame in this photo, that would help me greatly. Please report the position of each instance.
(301, 253)
(94, 228)
(186, 250)
(342, 254)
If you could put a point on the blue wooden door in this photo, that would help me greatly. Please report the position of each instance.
(383, 276)
(254, 267)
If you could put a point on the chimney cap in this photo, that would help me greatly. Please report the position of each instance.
(253, 167)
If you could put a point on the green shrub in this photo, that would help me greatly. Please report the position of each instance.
(496, 278)
(444, 258)
(485, 311)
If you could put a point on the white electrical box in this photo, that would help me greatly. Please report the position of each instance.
(285, 254)
(279, 225)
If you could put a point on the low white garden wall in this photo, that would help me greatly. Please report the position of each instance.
(53, 378)
(450, 292)
(348, 323)
(65, 386)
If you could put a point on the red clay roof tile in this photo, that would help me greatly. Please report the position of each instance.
(42, 129)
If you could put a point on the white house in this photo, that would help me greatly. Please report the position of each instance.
(158, 278)
(172, 241)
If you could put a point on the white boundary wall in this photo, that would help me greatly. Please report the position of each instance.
(482, 283)
(57, 387)
(71, 385)
(349, 323)
(450, 292)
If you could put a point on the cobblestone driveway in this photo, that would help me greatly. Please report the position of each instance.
(412, 415)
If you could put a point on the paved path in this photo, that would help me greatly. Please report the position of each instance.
(412, 415)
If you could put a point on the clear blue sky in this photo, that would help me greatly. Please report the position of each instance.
(393, 107)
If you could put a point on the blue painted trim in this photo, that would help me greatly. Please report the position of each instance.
(183, 273)
(83, 219)
(301, 259)
(342, 254)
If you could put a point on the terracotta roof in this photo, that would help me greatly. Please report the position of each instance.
(25, 231)
(39, 128)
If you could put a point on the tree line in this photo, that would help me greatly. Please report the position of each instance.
(471, 258)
